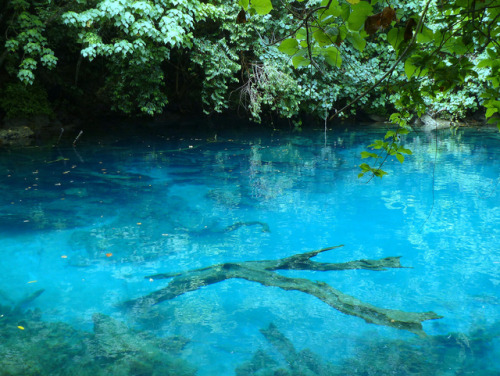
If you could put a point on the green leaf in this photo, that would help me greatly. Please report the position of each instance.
(378, 144)
(425, 36)
(390, 134)
(322, 38)
(405, 151)
(300, 61)
(491, 111)
(289, 46)
(400, 157)
(357, 41)
(395, 36)
(332, 56)
(345, 11)
(262, 7)
(379, 173)
(487, 63)
(456, 46)
(244, 4)
(334, 10)
(365, 167)
(357, 18)
(409, 68)
(301, 33)
(366, 154)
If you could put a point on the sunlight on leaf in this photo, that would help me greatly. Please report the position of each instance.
(262, 7)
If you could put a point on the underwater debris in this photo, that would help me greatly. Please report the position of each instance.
(16, 308)
(237, 225)
(263, 273)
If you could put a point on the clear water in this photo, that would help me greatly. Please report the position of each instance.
(88, 224)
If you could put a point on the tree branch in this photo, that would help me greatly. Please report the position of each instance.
(263, 272)
(379, 81)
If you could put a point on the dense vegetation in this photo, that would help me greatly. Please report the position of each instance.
(258, 57)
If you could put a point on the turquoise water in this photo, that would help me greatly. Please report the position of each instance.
(87, 224)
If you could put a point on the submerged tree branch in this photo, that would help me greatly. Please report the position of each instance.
(263, 272)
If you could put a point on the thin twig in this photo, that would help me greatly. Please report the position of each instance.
(77, 137)
(60, 135)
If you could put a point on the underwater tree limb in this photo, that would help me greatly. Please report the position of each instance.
(263, 273)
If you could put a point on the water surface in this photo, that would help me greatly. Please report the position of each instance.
(87, 224)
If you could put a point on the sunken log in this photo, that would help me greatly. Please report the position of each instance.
(263, 272)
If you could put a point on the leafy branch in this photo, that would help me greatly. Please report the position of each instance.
(390, 145)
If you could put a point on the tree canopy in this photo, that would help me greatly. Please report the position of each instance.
(328, 58)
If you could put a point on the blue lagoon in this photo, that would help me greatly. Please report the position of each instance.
(85, 230)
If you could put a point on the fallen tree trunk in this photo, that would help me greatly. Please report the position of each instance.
(263, 272)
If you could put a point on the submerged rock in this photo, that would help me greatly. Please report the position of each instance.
(113, 339)
(125, 351)
(30, 346)
(293, 362)
(450, 354)
(16, 136)
(432, 124)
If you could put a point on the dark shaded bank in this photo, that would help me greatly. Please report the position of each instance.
(44, 130)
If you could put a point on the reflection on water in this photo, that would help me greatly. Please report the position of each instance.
(81, 229)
